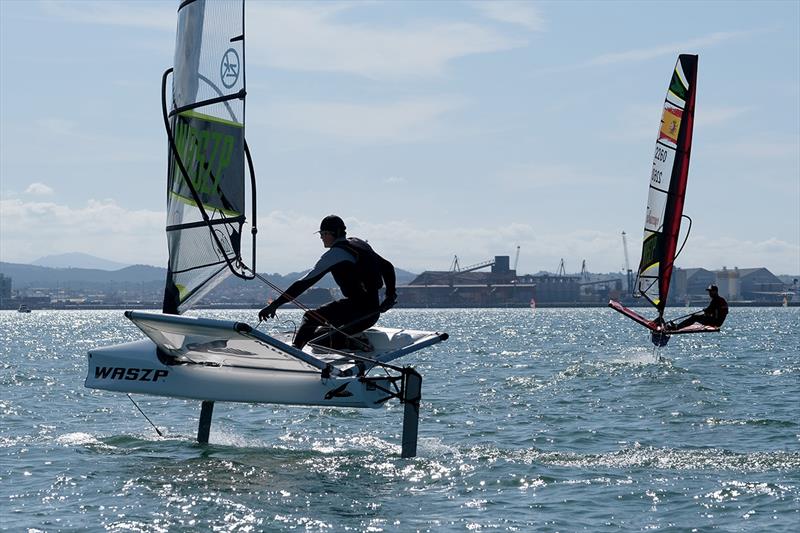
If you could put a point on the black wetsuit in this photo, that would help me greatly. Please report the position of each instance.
(360, 273)
(713, 315)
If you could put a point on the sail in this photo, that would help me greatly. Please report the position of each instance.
(668, 184)
(206, 167)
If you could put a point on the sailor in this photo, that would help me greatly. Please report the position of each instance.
(713, 315)
(359, 271)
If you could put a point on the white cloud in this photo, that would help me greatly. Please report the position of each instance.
(78, 142)
(780, 257)
(521, 13)
(542, 174)
(109, 13)
(302, 36)
(760, 148)
(635, 122)
(308, 37)
(102, 228)
(39, 189)
(287, 241)
(412, 247)
(416, 248)
(405, 121)
(642, 54)
(710, 115)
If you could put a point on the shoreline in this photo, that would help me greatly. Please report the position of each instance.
(549, 305)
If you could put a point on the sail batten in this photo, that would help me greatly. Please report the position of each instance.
(206, 167)
(667, 188)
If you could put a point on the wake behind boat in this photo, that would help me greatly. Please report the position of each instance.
(218, 360)
(665, 203)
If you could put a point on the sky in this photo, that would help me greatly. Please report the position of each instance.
(434, 129)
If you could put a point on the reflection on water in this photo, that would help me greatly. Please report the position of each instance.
(564, 419)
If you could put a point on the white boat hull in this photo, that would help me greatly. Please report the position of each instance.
(135, 368)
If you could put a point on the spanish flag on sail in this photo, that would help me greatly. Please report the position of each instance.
(670, 124)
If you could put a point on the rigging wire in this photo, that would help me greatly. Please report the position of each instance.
(173, 150)
(668, 265)
(688, 231)
(311, 312)
(145, 416)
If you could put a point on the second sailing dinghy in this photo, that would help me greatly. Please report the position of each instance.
(218, 360)
(665, 203)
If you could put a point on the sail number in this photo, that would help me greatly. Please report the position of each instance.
(656, 177)
(661, 154)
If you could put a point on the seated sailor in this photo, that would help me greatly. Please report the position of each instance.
(360, 273)
(713, 315)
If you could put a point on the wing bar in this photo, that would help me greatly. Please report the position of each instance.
(424, 342)
(633, 315)
(239, 327)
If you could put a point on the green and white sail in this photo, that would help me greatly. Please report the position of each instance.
(206, 169)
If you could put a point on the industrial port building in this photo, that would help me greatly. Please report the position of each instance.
(500, 286)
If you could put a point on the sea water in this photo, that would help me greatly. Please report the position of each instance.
(546, 420)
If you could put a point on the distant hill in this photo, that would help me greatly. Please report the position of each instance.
(39, 276)
(404, 277)
(27, 276)
(78, 260)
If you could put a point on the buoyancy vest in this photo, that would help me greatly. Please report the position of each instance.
(716, 311)
(362, 278)
(719, 308)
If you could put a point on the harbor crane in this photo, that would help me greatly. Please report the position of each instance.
(455, 267)
(561, 270)
(628, 271)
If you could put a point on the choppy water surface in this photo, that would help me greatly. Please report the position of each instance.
(558, 420)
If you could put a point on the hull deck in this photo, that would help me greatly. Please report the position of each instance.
(215, 360)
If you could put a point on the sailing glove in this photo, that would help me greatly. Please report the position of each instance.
(268, 312)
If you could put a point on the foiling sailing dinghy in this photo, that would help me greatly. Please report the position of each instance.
(665, 203)
(225, 361)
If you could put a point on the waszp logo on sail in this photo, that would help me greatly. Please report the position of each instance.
(129, 374)
(229, 68)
